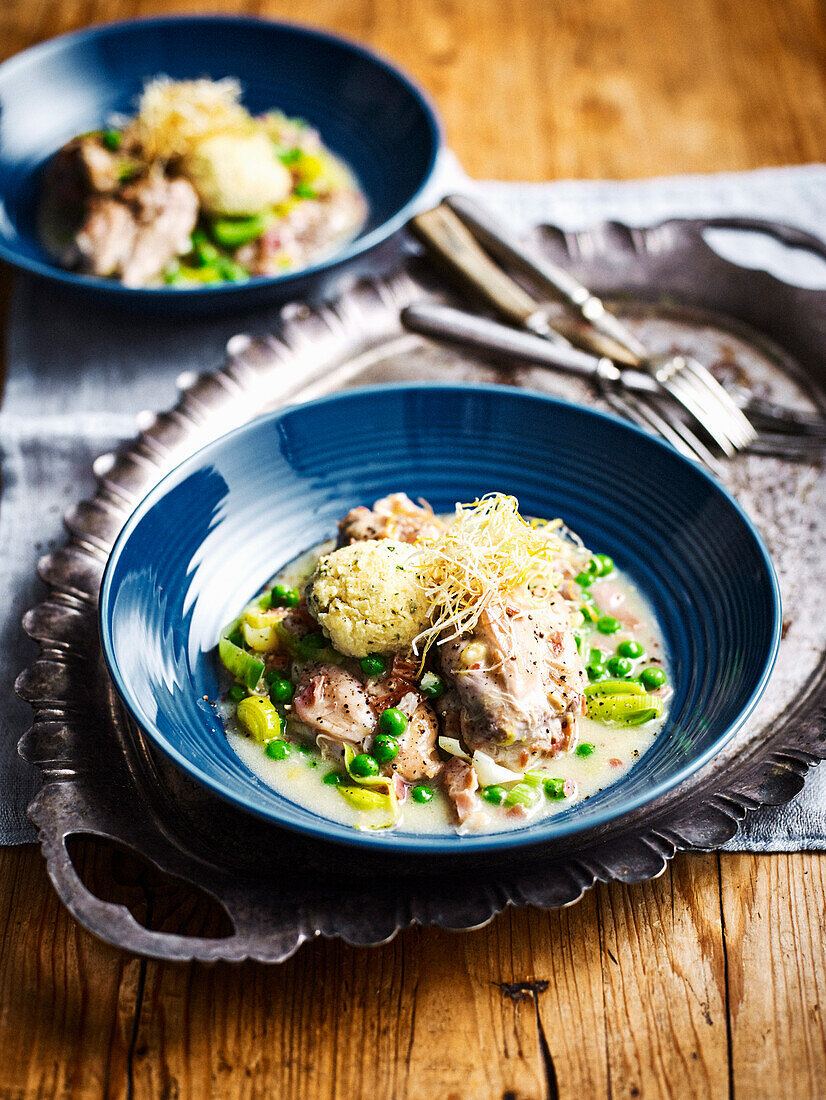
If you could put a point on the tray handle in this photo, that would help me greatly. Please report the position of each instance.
(115, 925)
(787, 234)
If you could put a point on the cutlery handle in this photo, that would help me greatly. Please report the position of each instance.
(449, 241)
(506, 248)
(446, 323)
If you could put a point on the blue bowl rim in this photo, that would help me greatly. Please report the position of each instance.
(422, 843)
(356, 248)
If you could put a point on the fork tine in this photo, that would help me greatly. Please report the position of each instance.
(700, 409)
(645, 416)
(746, 428)
(693, 441)
(716, 410)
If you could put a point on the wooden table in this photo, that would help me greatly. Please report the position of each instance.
(707, 982)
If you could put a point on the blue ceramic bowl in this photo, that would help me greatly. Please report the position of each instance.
(367, 111)
(211, 534)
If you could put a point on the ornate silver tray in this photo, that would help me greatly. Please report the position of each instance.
(102, 778)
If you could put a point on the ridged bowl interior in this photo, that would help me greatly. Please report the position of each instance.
(368, 112)
(211, 534)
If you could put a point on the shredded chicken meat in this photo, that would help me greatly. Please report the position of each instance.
(519, 679)
(332, 702)
(136, 234)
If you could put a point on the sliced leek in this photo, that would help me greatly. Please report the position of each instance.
(527, 793)
(259, 718)
(242, 665)
(622, 702)
(364, 800)
(380, 786)
(614, 687)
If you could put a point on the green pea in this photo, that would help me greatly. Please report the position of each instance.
(333, 779)
(607, 624)
(290, 156)
(585, 749)
(303, 190)
(494, 794)
(421, 794)
(584, 579)
(236, 694)
(363, 766)
(284, 596)
(431, 685)
(595, 672)
(393, 721)
(653, 678)
(281, 690)
(278, 750)
(385, 748)
(630, 648)
(605, 564)
(619, 666)
(374, 665)
(554, 788)
(111, 140)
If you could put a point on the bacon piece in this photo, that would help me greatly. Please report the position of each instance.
(461, 785)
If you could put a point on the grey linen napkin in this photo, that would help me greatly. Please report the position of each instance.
(78, 376)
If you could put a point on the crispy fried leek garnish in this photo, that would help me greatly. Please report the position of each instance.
(174, 115)
(486, 553)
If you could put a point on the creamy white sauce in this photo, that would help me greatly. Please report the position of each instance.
(616, 748)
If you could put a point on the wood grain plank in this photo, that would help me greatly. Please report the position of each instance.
(623, 993)
(541, 91)
(775, 915)
(67, 1002)
(421, 1016)
(664, 984)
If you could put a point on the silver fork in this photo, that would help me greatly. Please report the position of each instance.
(631, 393)
(797, 437)
(685, 378)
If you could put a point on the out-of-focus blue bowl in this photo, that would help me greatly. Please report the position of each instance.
(368, 112)
(211, 534)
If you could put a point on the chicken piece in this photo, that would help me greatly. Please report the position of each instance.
(417, 757)
(519, 680)
(166, 212)
(106, 239)
(461, 785)
(393, 517)
(334, 703)
(137, 233)
(90, 167)
(102, 169)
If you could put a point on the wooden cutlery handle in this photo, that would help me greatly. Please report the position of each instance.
(444, 235)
